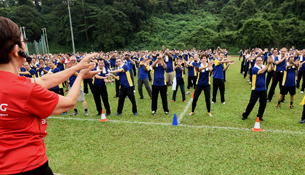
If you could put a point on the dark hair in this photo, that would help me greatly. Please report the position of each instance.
(9, 36)
(203, 55)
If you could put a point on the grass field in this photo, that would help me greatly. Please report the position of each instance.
(146, 144)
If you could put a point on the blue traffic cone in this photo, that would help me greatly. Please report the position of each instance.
(175, 122)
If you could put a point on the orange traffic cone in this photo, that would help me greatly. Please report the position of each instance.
(257, 127)
(193, 95)
(103, 117)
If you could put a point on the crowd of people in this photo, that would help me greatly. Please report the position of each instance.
(284, 67)
(162, 68)
(168, 67)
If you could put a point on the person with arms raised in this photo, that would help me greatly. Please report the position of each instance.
(22, 117)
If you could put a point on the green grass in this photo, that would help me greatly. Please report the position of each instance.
(92, 147)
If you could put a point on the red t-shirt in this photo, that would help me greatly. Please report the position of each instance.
(24, 107)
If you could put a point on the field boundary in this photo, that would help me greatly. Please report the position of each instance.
(181, 125)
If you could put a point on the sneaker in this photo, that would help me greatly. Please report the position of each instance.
(224, 103)
(301, 92)
(268, 101)
(244, 118)
(74, 113)
(302, 121)
(166, 113)
(283, 101)
(166, 94)
(117, 114)
(188, 92)
(108, 114)
(278, 106)
(134, 91)
(173, 100)
(135, 113)
(250, 83)
(141, 98)
(291, 106)
(191, 113)
(98, 114)
(261, 119)
(210, 115)
(153, 112)
(86, 114)
(248, 80)
(64, 113)
(184, 101)
(212, 102)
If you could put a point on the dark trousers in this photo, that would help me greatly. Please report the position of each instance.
(207, 94)
(132, 79)
(218, 83)
(246, 69)
(301, 75)
(155, 94)
(117, 87)
(86, 83)
(250, 71)
(147, 87)
(224, 75)
(277, 78)
(149, 76)
(42, 170)
(191, 81)
(129, 93)
(101, 91)
(303, 113)
(262, 95)
(242, 66)
(182, 91)
(268, 79)
(134, 70)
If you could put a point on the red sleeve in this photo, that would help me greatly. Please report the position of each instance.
(41, 102)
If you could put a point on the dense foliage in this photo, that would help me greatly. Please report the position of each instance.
(149, 24)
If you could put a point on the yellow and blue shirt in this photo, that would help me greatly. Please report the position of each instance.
(100, 82)
(55, 70)
(125, 77)
(159, 76)
(192, 70)
(258, 79)
(203, 77)
(289, 76)
(142, 73)
(280, 67)
(218, 70)
(170, 63)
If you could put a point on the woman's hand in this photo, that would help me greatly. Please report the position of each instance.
(88, 73)
(85, 63)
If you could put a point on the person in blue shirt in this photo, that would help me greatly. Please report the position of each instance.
(100, 88)
(259, 90)
(265, 56)
(130, 63)
(246, 56)
(242, 66)
(192, 73)
(270, 72)
(240, 53)
(301, 73)
(170, 64)
(30, 73)
(159, 84)
(123, 75)
(179, 80)
(218, 77)
(42, 68)
(203, 84)
(288, 84)
(144, 68)
(279, 67)
(81, 96)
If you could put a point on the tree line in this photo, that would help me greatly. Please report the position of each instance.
(148, 24)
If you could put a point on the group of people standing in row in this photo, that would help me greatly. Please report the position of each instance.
(160, 67)
(285, 68)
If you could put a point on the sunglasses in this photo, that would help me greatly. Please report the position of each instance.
(25, 40)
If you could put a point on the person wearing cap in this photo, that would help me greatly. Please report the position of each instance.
(259, 90)
(123, 75)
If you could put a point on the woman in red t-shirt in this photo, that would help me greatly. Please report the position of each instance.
(26, 103)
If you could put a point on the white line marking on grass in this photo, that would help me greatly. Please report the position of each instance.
(185, 109)
(191, 126)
